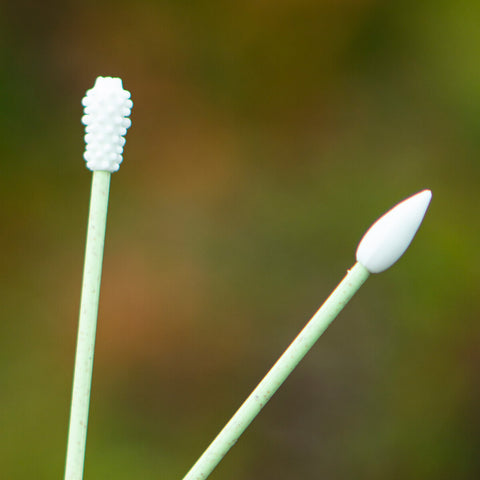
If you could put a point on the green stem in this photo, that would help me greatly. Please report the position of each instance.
(354, 279)
(82, 377)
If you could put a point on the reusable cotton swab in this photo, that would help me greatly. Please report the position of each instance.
(382, 245)
(107, 107)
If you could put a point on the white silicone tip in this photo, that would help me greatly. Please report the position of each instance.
(388, 238)
(107, 108)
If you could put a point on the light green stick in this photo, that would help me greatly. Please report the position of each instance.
(382, 245)
(278, 373)
(107, 106)
(82, 378)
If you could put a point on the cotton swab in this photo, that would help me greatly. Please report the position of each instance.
(382, 245)
(107, 107)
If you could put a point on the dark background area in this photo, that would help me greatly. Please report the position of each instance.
(267, 136)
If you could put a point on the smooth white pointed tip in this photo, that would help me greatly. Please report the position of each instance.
(388, 238)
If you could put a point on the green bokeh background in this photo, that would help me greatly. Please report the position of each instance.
(267, 136)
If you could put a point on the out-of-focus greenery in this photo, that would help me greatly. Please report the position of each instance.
(266, 137)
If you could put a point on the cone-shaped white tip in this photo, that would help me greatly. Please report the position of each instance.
(107, 107)
(388, 238)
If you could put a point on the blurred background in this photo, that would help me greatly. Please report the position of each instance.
(267, 136)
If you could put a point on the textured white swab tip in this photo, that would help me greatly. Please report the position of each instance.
(107, 108)
(388, 238)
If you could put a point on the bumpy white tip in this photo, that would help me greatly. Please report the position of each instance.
(388, 238)
(107, 108)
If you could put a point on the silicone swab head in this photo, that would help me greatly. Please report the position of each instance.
(107, 108)
(388, 238)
